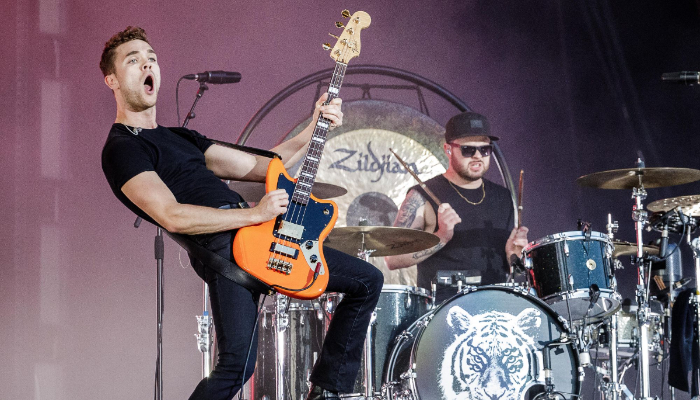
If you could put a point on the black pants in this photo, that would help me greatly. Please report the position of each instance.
(234, 309)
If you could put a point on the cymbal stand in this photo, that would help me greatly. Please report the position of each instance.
(613, 388)
(364, 254)
(640, 217)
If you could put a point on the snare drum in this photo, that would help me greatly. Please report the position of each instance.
(481, 345)
(565, 265)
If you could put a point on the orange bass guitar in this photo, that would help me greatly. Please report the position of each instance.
(287, 252)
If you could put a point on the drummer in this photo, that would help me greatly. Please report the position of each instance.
(474, 221)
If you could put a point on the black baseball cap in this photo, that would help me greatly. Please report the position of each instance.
(467, 124)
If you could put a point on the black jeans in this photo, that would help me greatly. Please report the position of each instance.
(234, 309)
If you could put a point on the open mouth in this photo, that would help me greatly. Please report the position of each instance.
(148, 84)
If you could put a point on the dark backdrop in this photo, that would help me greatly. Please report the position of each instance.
(572, 87)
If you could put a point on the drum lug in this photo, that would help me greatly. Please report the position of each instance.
(468, 289)
(410, 374)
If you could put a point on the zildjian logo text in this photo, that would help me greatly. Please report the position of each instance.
(356, 161)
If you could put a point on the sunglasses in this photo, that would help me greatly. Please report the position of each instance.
(469, 151)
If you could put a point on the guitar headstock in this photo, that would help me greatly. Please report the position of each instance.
(348, 45)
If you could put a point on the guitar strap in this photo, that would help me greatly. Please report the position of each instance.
(184, 132)
(220, 264)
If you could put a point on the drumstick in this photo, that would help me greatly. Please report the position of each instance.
(520, 200)
(420, 182)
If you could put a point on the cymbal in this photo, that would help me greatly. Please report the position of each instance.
(254, 191)
(384, 240)
(690, 205)
(629, 178)
(629, 249)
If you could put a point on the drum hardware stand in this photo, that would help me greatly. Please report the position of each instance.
(281, 324)
(369, 365)
(549, 392)
(640, 217)
(204, 337)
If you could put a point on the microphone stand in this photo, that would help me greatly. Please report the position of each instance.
(204, 321)
(159, 252)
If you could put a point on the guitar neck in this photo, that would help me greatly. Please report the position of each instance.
(312, 159)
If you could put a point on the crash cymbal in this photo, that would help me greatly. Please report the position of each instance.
(630, 178)
(630, 249)
(254, 191)
(384, 240)
(690, 205)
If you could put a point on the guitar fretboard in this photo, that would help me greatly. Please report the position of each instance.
(312, 159)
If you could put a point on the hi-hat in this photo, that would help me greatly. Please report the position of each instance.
(632, 177)
(690, 205)
(254, 191)
(381, 240)
(629, 249)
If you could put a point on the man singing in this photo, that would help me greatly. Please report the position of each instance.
(173, 179)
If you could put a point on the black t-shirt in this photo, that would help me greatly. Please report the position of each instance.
(175, 154)
(479, 241)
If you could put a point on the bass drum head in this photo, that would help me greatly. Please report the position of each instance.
(487, 344)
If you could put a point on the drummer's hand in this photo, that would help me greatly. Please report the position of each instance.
(516, 241)
(447, 219)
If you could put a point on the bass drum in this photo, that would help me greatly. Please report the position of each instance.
(481, 345)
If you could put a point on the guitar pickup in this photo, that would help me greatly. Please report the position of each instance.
(284, 250)
(291, 230)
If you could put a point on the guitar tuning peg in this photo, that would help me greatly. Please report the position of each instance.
(326, 46)
(345, 14)
(339, 24)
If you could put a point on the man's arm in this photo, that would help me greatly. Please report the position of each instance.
(227, 163)
(416, 213)
(149, 193)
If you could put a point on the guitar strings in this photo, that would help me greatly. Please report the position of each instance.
(298, 212)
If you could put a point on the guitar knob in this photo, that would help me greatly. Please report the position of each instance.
(345, 14)
(326, 46)
(339, 24)
(313, 258)
(309, 244)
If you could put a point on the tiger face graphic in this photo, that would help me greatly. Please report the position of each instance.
(491, 357)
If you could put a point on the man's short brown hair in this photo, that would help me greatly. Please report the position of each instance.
(109, 52)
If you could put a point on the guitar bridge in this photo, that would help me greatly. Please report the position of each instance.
(278, 265)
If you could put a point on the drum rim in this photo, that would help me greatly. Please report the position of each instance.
(394, 288)
(562, 236)
(559, 320)
(582, 294)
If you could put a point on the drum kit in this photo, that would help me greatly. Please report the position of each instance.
(531, 340)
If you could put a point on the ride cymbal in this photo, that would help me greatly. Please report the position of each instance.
(637, 177)
(254, 191)
(383, 240)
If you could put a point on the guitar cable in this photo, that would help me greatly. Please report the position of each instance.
(250, 346)
(316, 272)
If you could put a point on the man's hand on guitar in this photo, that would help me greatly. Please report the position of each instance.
(272, 204)
(331, 111)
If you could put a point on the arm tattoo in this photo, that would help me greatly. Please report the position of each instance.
(428, 252)
(409, 209)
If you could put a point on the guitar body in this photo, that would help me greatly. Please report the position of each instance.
(288, 256)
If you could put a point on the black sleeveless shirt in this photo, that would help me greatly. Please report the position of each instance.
(479, 241)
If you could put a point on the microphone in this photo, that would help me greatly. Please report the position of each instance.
(683, 77)
(594, 293)
(215, 77)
